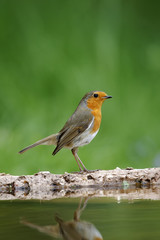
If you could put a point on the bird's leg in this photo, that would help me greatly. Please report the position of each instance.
(81, 206)
(77, 212)
(75, 156)
(84, 168)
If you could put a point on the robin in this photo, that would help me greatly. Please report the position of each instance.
(80, 128)
(71, 230)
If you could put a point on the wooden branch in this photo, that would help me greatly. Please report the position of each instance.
(113, 183)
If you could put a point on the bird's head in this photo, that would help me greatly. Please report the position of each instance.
(95, 99)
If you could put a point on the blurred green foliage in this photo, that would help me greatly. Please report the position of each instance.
(52, 53)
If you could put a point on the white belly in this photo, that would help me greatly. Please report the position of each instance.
(85, 138)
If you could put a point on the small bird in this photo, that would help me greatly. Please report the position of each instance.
(69, 230)
(80, 128)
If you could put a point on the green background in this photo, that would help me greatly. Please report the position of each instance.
(52, 53)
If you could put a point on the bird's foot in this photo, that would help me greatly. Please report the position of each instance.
(91, 171)
(87, 171)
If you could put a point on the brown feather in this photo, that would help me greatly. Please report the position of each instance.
(52, 139)
(67, 138)
(76, 124)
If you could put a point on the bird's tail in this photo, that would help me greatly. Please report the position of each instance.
(50, 140)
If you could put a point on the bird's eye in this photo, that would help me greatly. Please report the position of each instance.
(95, 95)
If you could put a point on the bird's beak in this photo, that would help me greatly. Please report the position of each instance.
(106, 97)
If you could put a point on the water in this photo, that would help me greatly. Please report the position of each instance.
(104, 217)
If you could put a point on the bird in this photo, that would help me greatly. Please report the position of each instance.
(69, 230)
(80, 128)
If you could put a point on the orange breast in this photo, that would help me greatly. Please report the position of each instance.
(97, 119)
(95, 105)
(96, 111)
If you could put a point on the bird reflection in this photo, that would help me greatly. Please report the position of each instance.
(70, 230)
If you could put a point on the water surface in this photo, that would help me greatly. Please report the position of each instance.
(104, 218)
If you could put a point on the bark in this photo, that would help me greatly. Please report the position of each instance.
(119, 183)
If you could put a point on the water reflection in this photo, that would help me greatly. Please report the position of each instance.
(70, 230)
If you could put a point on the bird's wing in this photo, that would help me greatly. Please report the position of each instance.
(71, 130)
(67, 136)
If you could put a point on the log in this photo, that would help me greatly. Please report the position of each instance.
(118, 183)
